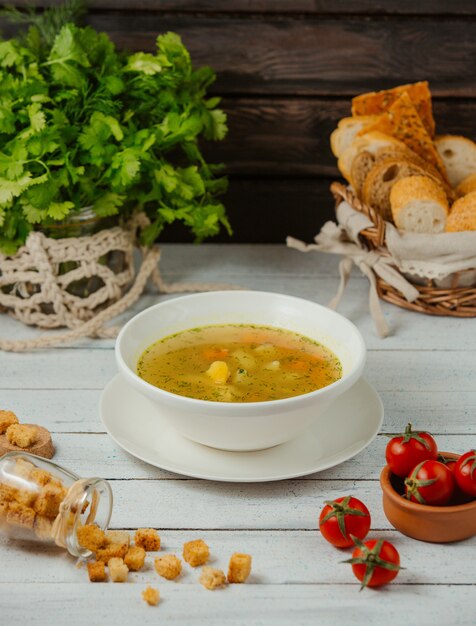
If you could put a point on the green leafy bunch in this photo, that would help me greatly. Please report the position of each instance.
(82, 124)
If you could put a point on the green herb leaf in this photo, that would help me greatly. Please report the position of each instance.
(144, 63)
(108, 204)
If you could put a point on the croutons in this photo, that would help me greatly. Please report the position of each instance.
(147, 538)
(49, 499)
(212, 578)
(91, 537)
(196, 552)
(168, 566)
(97, 572)
(239, 567)
(7, 418)
(117, 570)
(21, 435)
(151, 596)
(135, 558)
(20, 515)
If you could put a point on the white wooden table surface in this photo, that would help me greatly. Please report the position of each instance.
(425, 372)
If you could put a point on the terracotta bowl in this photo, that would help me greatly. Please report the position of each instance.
(438, 524)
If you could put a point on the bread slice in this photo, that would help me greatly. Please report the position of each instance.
(403, 122)
(419, 205)
(361, 166)
(346, 130)
(364, 161)
(377, 102)
(380, 180)
(467, 185)
(463, 214)
(459, 156)
(370, 142)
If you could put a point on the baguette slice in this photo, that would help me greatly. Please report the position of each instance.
(419, 205)
(370, 142)
(364, 161)
(403, 122)
(346, 130)
(380, 180)
(459, 156)
(467, 185)
(377, 102)
(361, 166)
(463, 214)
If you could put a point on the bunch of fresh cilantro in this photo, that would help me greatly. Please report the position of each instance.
(82, 124)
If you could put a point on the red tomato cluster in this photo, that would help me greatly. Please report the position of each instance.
(430, 478)
(345, 522)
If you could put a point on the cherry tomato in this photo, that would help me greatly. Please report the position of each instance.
(405, 451)
(375, 562)
(449, 462)
(431, 482)
(343, 517)
(465, 472)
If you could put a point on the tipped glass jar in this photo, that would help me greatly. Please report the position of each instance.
(41, 501)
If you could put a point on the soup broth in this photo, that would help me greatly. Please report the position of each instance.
(238, 363)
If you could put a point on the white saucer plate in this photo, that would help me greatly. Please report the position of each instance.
(140, 428)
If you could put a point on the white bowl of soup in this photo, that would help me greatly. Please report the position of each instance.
(240, 370)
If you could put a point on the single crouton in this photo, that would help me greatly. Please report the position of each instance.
(7, 418)
(20, 515)
(212, 578)
(147, 538)
(196, 552)
(118, 536)
(97, 572)
(111, 551)
(26, 496)
(239, 567)
(91, 537)
(3, 509)
(7, 493)
(49, 499)
(23, 468)
(43, 527)
(168, 566)
(41, 477)
(135, 558)
(117, 570)
(151, 596)
(21, 435)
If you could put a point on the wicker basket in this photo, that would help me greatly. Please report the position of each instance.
(455, 301)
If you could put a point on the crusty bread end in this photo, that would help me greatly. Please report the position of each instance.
(419, 205)
(459, 156)
(463, 214)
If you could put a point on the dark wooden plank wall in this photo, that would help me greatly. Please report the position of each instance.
(287, 70)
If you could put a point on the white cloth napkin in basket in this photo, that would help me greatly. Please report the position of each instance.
(449, 259)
